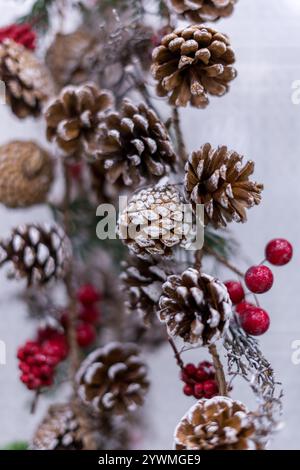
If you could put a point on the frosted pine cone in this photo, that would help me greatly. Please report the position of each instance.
(37, 252)
(26, 173)
(134, 145)
(219, 423)
(203, 10)
(195, 306)
(218, 179)
(28, 83)
(192, 63)
(73, 117)
(113, 378)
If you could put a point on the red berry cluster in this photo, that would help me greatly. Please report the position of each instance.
(199, 380)
(89, 315)
(258, 279)
(20, 33)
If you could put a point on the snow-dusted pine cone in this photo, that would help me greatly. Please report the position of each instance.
(113, 378)
(134, 145)
(36, 252)
(26, 173)
(73, 116)
(152, 223)
(195, 306)
(219, 180)
(219, 423)
(192, 63)
(203, 10)
(27, 82)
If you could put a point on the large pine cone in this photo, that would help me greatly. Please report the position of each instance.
(195, 306)
(134, 145)
(27, 83)
(26, 173)
(203, 10)
(73, 117)
(219, 423)
(37, 252)
(113, 378)
(191, 63)
(217, 179)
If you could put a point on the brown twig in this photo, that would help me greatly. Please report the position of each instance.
(179, 136)
(223, 260)
(198, 259)
(220, 375)
(176, 353)
(35, 402)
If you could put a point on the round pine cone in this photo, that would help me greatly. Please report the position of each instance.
(203, 10)
(37, 252)
(73, 117)
(191, 63)
(217, 179)
(27, 82)
(134, 145)
(195, 306)
(113, 378)
(152, 223)
(219, 423)
(26, 173)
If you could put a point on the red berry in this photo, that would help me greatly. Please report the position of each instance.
(279, 251)
(259, 279)
(255, 321)
(75, 170)
(235, 291)
(20, 33)
(90, 314)
(242, 307)
(201, 374)
(86, 334)
(88, 295)
(198, 391)
(190, 370)
(188, 390)
(210, 388)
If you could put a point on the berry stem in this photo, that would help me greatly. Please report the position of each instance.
(179, 136)
(223, 261)
(35, 401)
(220, 375)
(176, 353)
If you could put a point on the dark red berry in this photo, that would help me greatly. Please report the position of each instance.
(242, 307)
(88, 295)
(210, 388)
(198, 390)
(235, 291)
(255, 321)
(20, 33)
(188, 390)
(86, 334)
(279, 251)
(190, 370)
(201, 374)
(90, 314)
(259, 279)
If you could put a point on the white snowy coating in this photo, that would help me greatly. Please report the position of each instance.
(49, 267)
(29, 256)
(108, 400)
(197, 327)
(214, 318)
(153, 291)
(18, 242)
(231, 434)
(34, 235)
(91, 370)
(133, 388)
(55, 240)
(3, 254)
(42, 253)
(115, 369)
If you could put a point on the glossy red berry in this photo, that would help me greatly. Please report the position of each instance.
(86, 334)
(90, 314)
(242, 307)
(20, 33)
(279, 251)
(210, 388)
(235, 291)
(255, 321)
(188, 390)
(87, 294)
(259, 279)
(198, 390)
(190, 370)
(201, 374)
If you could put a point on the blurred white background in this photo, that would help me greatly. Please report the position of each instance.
(257, 118)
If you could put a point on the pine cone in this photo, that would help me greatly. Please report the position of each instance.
(217, 179)
(219, 423)
(104, 191)
(28, 84)
(195, 306)
(191, 63)
(37, 252)
(73, 117)
(148, 337)
(152, 223)
(26, 173)
(199, 11)
(134, 145)
(113, 378)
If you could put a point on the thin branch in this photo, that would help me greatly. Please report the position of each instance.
(179, 136)
(176, 353)
(220, 375)
(223, 261)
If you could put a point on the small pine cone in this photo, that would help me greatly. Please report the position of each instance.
(73, 117)
(219, 423)
(217, 179)
(37, 252)
(191, 63)
(134, 144)
(195, 306)
(26, 173)
(113, 378)
(199, 11)
(152, 223)
(27, 82)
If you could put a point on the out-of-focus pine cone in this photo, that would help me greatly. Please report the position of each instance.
(26, 173)
(218, 180)
(203, 10)
(219, 423)
(113, 378)
(134, 145)
(192, 63)
(27, 82)
(149, 337)
(195, 306)
(104, 191)
(36, 252)
(153, 222)
(73, 116)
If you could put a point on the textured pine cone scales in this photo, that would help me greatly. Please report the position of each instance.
(27, 82)
(26, 173)
(192, 63)
(73, 117)
(134, 145)
(219, 423)
(217, 179)
(152, 223)
(195, 306)
(203, 10)
(37, 252)
(113, 378)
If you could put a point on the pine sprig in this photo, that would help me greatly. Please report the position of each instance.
(38, 16)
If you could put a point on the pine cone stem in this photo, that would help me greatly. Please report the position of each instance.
(223, 261)
(177, 356)
(198, 259)
(220, 375)
(179, 136)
